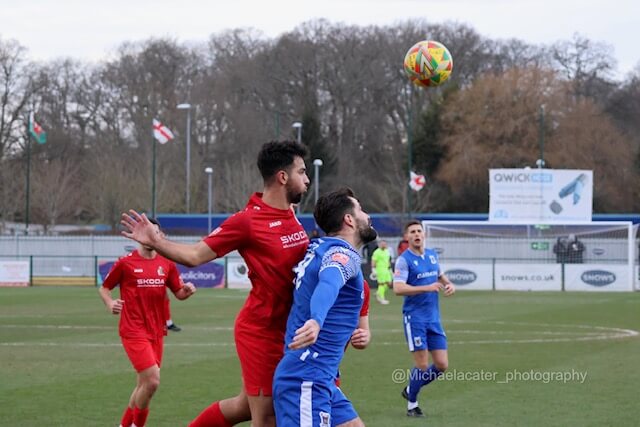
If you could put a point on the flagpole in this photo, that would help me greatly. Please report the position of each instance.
(153, 177)
(28, 189)
(410, 149)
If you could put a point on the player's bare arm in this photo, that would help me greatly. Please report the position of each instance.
(185, 291)
(306, 335)
(361, 337)
(401, 288)
(114, 306)
(138, 227)
(447, 286)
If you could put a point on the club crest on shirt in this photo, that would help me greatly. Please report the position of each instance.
(432, 259)
(340, 257)
(160, 271)
(325, 419)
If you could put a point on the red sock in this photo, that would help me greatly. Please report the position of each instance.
(211, 417)
(140, 416)
(127, 417)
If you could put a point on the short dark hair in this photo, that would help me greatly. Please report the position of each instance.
(275, 156)
(412, 222)
(331, 209)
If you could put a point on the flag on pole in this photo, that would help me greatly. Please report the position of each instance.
(36, 130)
(417, 181)
(162, 133)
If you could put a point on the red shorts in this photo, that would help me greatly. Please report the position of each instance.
(143, 353)
(259, 354)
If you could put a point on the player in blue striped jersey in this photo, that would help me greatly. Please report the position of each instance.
(326, 307)
(418, 278)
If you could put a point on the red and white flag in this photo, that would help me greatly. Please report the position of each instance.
(162, 133)
(417, 182)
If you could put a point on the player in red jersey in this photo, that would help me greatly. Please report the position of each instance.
(143, 276)
(271, 240)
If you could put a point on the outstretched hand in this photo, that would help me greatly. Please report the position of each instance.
(138, 227)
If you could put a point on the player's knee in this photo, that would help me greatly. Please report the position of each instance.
(152, 383)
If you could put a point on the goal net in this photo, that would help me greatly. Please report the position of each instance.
(596, 256)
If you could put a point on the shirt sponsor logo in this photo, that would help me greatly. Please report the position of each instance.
(427, 274)
(598, 277)
(275, 224)
(293, 239)
(461, 277)
(138, 270)
(340, 257)
(150, 282)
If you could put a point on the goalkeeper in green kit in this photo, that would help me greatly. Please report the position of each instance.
(381, 263)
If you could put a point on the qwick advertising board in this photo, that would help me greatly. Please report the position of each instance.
(596, 277)
(14, 273)
(528, 277)
(469, 275)
(546, 195)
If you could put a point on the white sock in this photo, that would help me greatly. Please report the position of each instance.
(169, 322)
(412, 405)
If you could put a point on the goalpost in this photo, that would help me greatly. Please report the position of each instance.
(580, 256)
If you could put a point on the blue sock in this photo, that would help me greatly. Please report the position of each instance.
(432, 373)
(419, 379)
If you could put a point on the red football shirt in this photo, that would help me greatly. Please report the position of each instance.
(143, 284)
(364, 311)
(271, 241)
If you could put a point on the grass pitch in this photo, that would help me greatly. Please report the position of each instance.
(516, 359)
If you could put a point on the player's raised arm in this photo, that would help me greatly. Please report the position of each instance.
(138, 227)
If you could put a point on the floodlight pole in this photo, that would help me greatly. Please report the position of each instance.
(188, 166)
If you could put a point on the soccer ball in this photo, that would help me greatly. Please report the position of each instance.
(428, 63)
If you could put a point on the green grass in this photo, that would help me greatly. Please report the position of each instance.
(61, 363)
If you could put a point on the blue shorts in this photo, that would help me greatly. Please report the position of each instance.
(424, 335)
(305, 396)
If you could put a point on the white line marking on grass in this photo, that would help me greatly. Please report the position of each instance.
(109, 344)
(597, 333)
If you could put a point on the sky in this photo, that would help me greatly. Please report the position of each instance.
(90, 30)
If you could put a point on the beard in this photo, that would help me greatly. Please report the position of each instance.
(366, 232)
(294, 196)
